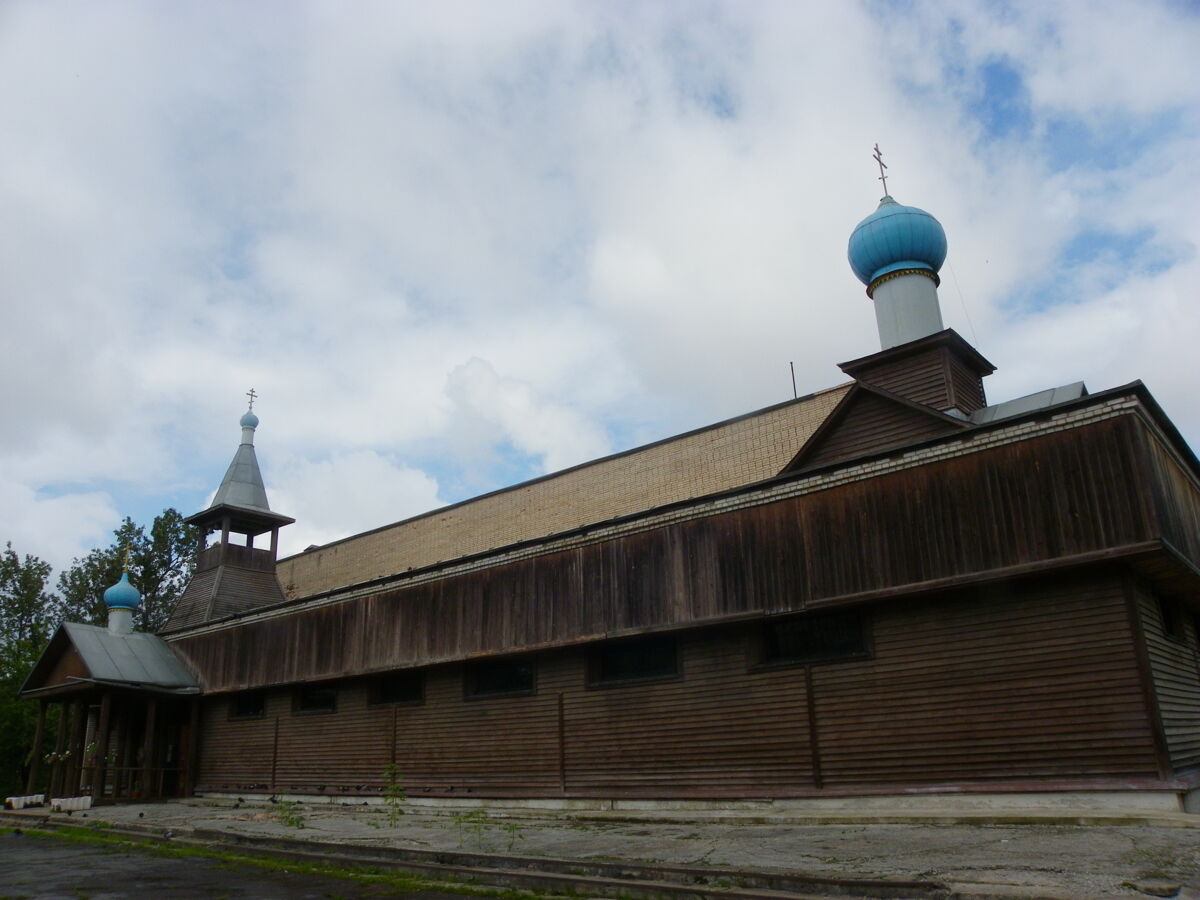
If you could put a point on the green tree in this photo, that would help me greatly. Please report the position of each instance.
(26, 619)
(160, 566)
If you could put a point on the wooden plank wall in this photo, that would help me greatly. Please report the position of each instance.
(920, 377)
(874, 424)
(1175, 493)
(1036, 681)
(1175, 664)
(1038, 500)
(967, 386)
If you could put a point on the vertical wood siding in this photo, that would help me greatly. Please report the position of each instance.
(1034, 501)
(1176, 497)
(1038, 681)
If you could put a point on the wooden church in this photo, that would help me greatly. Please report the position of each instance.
(886, 589)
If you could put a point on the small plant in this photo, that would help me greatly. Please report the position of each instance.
(290, 814)
(512, 833)
(471, 824)
(394, 795)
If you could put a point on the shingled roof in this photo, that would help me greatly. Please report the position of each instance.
(718, 457)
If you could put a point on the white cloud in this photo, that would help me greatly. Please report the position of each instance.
(636, 214)
(56, 528)
(345, 494)
(487, 402)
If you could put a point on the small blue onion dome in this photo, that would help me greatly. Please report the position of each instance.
(122, 595)
(249, 420)
(896, 237)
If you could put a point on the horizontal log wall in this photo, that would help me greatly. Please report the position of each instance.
(1037, 500)
(1175, 664)
(1022, 683)
(1039, 681)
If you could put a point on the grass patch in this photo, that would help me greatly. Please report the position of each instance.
(396, 881)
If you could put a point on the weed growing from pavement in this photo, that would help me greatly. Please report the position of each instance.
(290, 814)
(402, 882)
(470, 824)
(512, 831)
(394, 794)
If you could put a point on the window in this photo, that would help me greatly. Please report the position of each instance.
(638, 659)
(248, 705)
(498, 677)
(813, 638)
(316, 698)
(398, 687)
(1171, 614)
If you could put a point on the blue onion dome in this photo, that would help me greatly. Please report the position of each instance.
(249, 420)
(122, 595)
(896, 238)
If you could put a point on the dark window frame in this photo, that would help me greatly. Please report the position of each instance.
(761, 657)
(240, 697)
(375, 689)
(298, 700)
(596, 678)
(473, 670)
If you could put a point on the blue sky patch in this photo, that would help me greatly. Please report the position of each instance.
(1002, 104)
(1107, 143)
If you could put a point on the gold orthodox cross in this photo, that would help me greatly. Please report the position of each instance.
(250, 393)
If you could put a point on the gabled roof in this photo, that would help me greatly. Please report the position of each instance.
(870, 419)
(131, 660)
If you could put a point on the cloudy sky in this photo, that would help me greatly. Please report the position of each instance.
(456, 245)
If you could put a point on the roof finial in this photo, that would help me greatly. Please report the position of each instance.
(125, 561)
(878, 157)
(250, 393)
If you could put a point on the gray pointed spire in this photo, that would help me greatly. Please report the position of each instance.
(242, 487)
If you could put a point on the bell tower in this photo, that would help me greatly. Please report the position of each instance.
(233, 575)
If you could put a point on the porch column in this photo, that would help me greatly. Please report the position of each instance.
(101, 768)
(148, 748)
(75, 762)
(193, 749)
(60, 743)
(123, 757)
(38, 732)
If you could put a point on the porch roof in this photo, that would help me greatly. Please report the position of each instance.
(132, 660)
